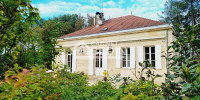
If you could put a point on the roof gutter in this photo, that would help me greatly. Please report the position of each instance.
(115, 32)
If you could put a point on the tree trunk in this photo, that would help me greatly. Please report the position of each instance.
(192, 12)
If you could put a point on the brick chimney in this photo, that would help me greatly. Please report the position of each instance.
(98, 19)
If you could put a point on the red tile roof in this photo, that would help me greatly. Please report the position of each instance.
(116, 24)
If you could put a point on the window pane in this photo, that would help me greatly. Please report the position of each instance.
(146, 56)
(146, 49)
(124, 57)
(97, 60)
(124, 64)
(124, 51)
(128, 50)
(128, 57)
(146, 63)
(100, 61)
(152, 49)
(152, 56)
(97, 64)
(97, 56)
(128, 63)
(153, 63)
(69, 59)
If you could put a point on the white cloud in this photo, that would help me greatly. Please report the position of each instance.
(142, 8)
(121, 1)
(114, 12)
(109, 4)
(55, 8)
(94, 1)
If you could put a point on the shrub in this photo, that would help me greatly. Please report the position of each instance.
(102, 90)
(37, 84)
(184, 77)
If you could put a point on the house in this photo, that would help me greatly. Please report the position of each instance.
(117, 45)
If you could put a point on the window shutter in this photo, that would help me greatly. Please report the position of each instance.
(140, 55)
(90, 64)
(105, 59)
(132, 57)
(63, 58)
(118, 57)
(158, 57)
(74, 61)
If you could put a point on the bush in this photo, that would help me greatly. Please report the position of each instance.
(37, 84)
(102, 90)
(184, 77)
(143, 90)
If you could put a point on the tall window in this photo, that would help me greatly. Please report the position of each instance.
(69, 60)
(126, 57)
(98, 62)
(150, 56)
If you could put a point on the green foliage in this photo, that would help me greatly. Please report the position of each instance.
(130, 97)
(142, 88)
(74, 22)
(184, 53)
(184, 78)
(26, 39)
(24, 45)
(37, 83)
(16, 18)
(48, 36)
(47, 33)
(90, 20)
(102, 90)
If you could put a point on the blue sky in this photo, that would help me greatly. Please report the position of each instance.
(112, 8)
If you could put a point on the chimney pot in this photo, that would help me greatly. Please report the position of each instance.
(99, 19)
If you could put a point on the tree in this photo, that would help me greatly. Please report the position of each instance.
(79, 23)
(47, 32)
(74, 20)
(90, 20)
(184, 61)
(181, 12)
(70, 18)
(16, 18)
(49, 36)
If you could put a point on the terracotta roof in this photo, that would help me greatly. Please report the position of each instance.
(116, 24)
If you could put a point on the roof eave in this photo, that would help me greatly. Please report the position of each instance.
(116, 32)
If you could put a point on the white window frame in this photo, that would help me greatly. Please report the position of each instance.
(127, 57)
(100, 58)
(150, 55)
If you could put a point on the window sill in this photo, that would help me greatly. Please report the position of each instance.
(127, 68)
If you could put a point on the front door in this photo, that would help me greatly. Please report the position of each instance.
(98, 62)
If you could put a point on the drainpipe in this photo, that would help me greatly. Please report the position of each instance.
(167, 52)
